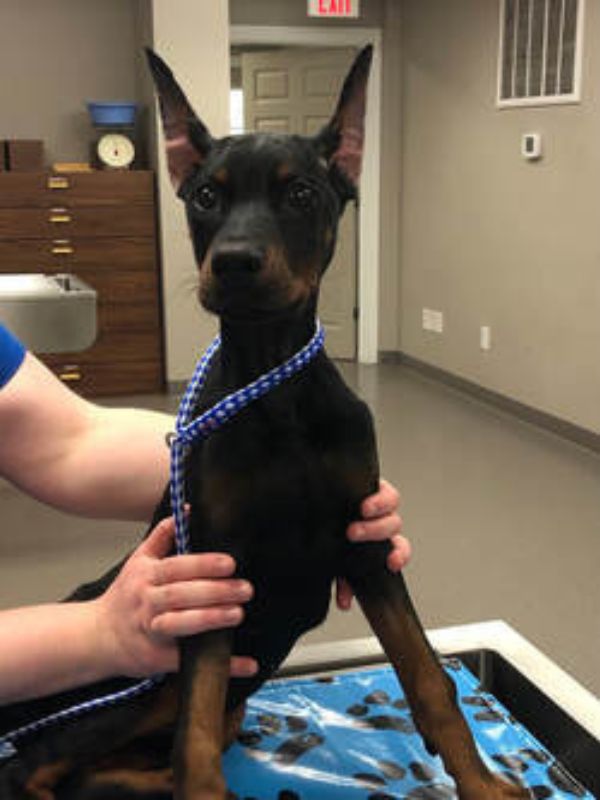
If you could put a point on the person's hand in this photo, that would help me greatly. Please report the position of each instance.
(157, 597)
(380, 521)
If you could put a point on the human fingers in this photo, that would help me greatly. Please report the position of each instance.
(398, 558)
(200, 594)
(385, 501)
(239, 667)
(376, 529)
(243, 667)
(159, 542)
(188, 622)
(192, 566)
(169, 661)
(400, 554)
(343, 594)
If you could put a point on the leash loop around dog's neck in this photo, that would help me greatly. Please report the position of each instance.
(187, 430)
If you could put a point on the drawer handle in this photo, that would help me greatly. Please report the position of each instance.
(62, 248)
(58, 182)
(70, 374)
(59, 215)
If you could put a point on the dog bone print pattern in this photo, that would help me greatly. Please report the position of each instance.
(350, 737)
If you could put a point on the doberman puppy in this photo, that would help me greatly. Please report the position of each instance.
(275, 487)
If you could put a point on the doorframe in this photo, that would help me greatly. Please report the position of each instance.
(369, 218)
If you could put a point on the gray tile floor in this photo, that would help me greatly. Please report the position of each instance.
(504, 520)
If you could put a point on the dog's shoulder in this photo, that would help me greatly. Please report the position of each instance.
(338, 405)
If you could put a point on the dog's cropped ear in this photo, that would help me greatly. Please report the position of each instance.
(341, 141)
(187, 139)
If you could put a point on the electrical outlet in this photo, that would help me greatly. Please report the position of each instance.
(438, 321)
(485, 337)
(432, 320)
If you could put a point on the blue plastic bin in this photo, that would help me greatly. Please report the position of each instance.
(116, 113)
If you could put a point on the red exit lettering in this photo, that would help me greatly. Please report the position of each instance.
(337, 8)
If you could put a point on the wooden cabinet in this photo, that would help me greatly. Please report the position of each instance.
(100, 226)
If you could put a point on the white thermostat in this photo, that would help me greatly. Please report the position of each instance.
(531, 146)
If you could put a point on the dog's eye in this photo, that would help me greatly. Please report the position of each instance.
(205, 197)
(301, 195)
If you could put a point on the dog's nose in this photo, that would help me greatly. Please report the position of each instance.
(237, 259)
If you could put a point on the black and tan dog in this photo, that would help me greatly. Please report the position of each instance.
(276, 486)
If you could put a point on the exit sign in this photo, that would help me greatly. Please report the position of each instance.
(333, 9)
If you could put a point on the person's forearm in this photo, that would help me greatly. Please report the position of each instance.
(77, 456)
(120, 467)
(50, 648)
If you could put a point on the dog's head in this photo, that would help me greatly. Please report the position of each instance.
(263, 208)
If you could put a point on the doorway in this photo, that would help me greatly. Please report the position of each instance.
(350, 313)
(294, 90)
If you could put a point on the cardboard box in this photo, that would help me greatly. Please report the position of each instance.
(25, 155)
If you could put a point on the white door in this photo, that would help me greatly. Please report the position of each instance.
(294, 90)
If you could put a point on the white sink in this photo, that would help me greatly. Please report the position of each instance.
(49, 313)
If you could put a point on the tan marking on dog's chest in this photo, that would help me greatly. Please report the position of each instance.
(41, 784)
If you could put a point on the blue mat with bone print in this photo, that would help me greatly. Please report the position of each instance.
(351, 737)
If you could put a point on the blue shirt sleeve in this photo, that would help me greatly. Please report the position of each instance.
(12, 353)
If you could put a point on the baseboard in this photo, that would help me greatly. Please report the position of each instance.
(567, 430)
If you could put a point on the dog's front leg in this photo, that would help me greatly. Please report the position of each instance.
(431, 694)
(205, 664)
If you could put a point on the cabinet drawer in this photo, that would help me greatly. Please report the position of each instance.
(67, 254)
(60, 222)
(116, 347)
(93, 380)
(24, 190)
(126, 301)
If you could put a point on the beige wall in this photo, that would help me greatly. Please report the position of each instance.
(53, 57)
(391, 178)
(488, 238)
(195, 43)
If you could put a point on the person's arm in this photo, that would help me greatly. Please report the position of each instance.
(77, 456)
(129, 630)
(48, 648)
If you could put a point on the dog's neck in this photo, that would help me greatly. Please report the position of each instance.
(249, 349)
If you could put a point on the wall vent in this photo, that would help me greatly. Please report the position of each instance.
(540, 52)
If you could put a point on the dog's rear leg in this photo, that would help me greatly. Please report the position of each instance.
(429, 691)
(205, 663)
